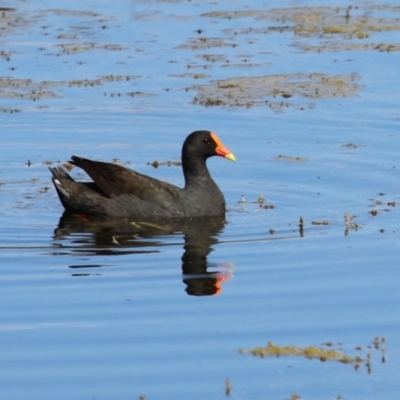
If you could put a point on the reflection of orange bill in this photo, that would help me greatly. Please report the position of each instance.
(225, 265)
(220, 278)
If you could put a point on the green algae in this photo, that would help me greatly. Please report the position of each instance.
(325, 352)
(294, 159)
(29, 89)
(336, 29)
(336, 46)
(190, 75)
(11, 21)
(74, 48)
(72, 13)
(168, 163)
(206, 43)
(273, 90)
(310, 352)
(354, 22)
(317, 21)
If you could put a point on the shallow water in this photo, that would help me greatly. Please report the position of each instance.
(117, 315)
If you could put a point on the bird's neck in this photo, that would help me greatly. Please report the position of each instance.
(195, 171)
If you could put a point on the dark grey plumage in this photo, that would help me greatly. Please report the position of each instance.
(119, 192)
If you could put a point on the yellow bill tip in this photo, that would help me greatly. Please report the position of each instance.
(231, 157)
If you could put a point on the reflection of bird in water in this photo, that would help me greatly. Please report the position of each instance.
(118, 192)
(206, 285)
(198, 244)
(109, 237)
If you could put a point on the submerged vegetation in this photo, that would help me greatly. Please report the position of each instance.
(275, 90)
(309, 29)
(29, 89)
(352, 22)
(326, 352)
(311, 352)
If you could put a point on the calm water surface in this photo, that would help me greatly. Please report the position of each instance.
(106, 312)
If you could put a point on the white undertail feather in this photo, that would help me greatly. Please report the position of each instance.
(61, 188)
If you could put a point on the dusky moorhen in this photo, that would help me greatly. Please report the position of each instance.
(118, 192)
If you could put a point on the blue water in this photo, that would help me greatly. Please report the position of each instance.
(85, 317)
